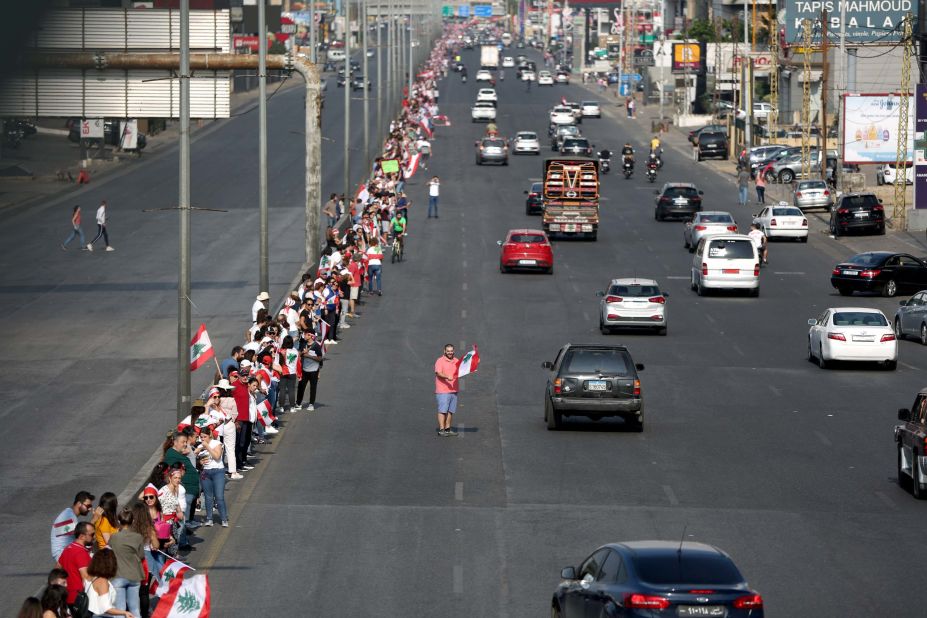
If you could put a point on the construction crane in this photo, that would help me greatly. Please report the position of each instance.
(806, 100)
(899, 213)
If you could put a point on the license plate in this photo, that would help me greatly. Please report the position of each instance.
(711, 146)
(681, 201)
(596, 385)
(570, 227)
(851, 272)
(528, 262)
(863, 339)
(861, 215)
(700, 610)
(731, 271)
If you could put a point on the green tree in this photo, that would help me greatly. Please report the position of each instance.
(701, 30)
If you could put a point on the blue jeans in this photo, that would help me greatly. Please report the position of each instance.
(373, 273)
(433, 204)
(332, 221)
(78, 231)
(127, 595)
(213, 481)
(155, 561)
(743, 196)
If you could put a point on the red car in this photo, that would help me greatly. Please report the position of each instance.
(526, 249)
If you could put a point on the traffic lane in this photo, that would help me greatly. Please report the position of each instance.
(117, 333)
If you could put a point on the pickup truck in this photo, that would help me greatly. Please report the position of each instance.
(571, 197)
(911, 438)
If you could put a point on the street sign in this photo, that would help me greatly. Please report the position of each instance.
(631, 77)
(482, 10)
(447, 11)
(463, 10)
(91, 128)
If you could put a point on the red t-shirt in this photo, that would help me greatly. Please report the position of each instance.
(74, 557)
(447, 367)
(241, 395)
(357, 270)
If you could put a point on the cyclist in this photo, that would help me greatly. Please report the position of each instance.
(397, 226)
(760, 242)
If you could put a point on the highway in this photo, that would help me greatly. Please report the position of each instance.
(358, 508)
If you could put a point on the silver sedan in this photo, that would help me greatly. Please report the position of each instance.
(526, 142)
(911, 318)
(707, 223)
(812, 194)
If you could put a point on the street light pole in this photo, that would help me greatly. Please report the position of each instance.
(347, 98)
(264, 241)
(362, 18)
(411, 62)
(379, 71)
(183, 205)
(313, 55)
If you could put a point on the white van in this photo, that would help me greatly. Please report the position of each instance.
(336, 55)
(726, 262)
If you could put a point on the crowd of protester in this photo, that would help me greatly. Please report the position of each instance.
(108, 557)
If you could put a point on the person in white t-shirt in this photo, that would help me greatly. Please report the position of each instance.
(434, 189)
(759, 241)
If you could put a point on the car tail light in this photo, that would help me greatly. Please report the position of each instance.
(557, 386)
(613, 316)
(637, 387)
(645, 601)
(887, 338)
(732, 228)
(878, 208)
(836, 336)
(870, 273)
(842, 211)
(700, 228)
(798, 194)
(751, 601)
(826, 193)
(835, 272)
(804, 223)
(756, 270)
(704, 269)
(772, 222)
(657, 299)
(613, 299)
(656, 318)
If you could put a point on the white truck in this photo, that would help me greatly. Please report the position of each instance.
(489, 57)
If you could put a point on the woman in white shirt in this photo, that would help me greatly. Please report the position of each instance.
(213, 478)
(173, 497)
(101, 595)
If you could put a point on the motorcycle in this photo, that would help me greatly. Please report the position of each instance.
(628, 168)
(463, 79)
(605, 165)
(652, 171)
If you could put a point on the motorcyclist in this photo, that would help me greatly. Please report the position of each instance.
(501, 76)
(653, 161)
(463, 74)
(655, 145)
(606, 154)
(627, 154)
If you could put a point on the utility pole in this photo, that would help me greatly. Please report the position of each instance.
(389, 59)
(313, 54)
(774, 85)
(263, 257)
(842, 59)
(900, 211)
(747, 87)
(806, 101)
(379, 23)
(183, 206)
(347, 99)
(411, 62)
(362, 18)
(825, 69)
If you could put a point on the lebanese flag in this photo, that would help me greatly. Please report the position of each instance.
(469, 363)
(424, 124)
(265, 414)
(324, 337)
(410, 169)
(187, 597)
(200, 348)
(171, 570)
(563, 101)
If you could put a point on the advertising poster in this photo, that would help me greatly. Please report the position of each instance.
(686, 57)
(870, 128)
(920, 147)
(867, 21)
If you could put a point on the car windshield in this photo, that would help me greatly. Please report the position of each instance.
(680, 192)
(730, 249)
(859, 318)
(715, 218)
(493, 143)
(811, 184)
(597, 361)
(634, 290)
(859, 201)
(575, 143)
(699, 569)
(786, 212)
(537, 187)
(527, 238)
(867, 259)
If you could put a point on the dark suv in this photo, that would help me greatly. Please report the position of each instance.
(578, 146)
(593, 381)
(711, 144)
(861, 212)
(677, 199)
(534, 204)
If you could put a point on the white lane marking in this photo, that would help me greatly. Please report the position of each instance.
(463, 314)
(909, 366)
(464, 286)
(886, 500)
(786, 272)
(670, 495)
(458, 491)
(824, 440)
(586, 315)
(737, 349)
(775, 391)
(458, 579)
(575, 287)
(465, 263)
(709, 318)
(677, 277)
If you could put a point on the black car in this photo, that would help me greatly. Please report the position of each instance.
(708, 128)
(595, 381)
(711, 144)
(880, 271)
(578, 146)
(857, 212)
(534, 204)
(656, 578)
(678, 200)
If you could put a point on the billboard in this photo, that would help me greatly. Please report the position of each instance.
(870, 128)
(920, 147)
(686, 57)
(867, 21)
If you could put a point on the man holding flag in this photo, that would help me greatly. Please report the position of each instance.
(448, 370)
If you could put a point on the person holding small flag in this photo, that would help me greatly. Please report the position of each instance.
(446, 389)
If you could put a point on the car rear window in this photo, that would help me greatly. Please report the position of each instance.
(730, 249)
(710, 218)
(634, 290)
(537, 187)
(527, 238)
(867, 259)
(859, 202)
(527, 136)
(786, 212)
(700, 569)
(496, 143)
(859, 318)
(597, 361)
(681, 192)
(590, 103)
(811, 184)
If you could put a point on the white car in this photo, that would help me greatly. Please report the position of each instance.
(545, 78)
(852, 334)
(707, 223)
(528, 76)
(508, 62)
(783, 221)
(483, 110)
(632, 303)
(486, 94)
(590, 109)
(887, 173)
(562, 77)
(562, 115)
(761, 110)
(483, 76)
(726, 262)
(526, 141)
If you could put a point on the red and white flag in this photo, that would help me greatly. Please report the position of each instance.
(200, 348)
(469, 363)
(187, 597)
(424, 124)
(563, 101)
(265, 413)
(172, 569)
(410, 169)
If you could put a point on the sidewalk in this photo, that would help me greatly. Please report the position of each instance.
(30, 174)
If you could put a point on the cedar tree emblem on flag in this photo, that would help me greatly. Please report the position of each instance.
(469, 363)
(200, 348)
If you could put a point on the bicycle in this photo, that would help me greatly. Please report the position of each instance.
(397, 249)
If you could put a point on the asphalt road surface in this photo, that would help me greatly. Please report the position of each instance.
(359, 509)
